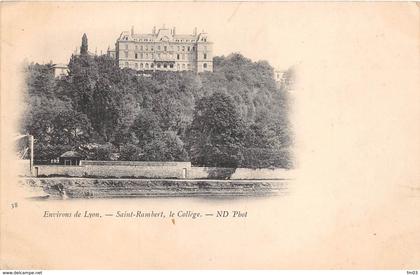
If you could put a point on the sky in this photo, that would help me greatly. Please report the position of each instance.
(260, 31)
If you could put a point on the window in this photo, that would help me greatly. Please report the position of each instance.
(147, 55)
(151, 48)
(136, 48)
(177, 66)
(171, 65)
(183, 48)
(158, 48)
(205, 65)
(141, 55)
(165, 65)
(205, 56)
(183, 56)
(136, 55)
(141, 47)
(126, 46)
(136, 65)
(158, 65)
(183, 66)
(145, 48)
(165, 48)
(152, 65)
(178, 47)
(141, 65)
(126, 54)
(188, 48)
(147, 66)
(189, 66)
(177, 56)
(126, 64)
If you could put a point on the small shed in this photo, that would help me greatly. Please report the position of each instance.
(70, 158)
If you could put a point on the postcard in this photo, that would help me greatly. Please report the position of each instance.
(210, 135)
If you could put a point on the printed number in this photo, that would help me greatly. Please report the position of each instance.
(413, 272)
(14, 205)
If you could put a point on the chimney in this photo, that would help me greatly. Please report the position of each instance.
(174, 31)
(154, 29)
(132, 30)
(195, 31)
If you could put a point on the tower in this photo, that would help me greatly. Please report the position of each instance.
(84, 47)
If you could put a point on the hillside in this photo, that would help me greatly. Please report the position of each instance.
(233, 117)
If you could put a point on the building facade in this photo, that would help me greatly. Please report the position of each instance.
(285, 79)
(60, 70)
(164, 50)
(279, 77)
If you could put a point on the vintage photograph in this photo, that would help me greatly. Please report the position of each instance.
(158, 113)
(209, 135)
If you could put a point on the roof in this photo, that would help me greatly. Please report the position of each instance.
(159, 34)
(60, 65)
(70, 154)
(185, 36)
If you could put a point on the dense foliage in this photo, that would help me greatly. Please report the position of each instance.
(235, 116)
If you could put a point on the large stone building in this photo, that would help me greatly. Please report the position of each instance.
(164, 50)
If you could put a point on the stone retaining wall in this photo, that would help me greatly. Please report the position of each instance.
(179, 170)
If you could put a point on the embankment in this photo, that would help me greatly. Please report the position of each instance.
(108, 188)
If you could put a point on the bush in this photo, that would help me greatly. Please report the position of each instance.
(103, 152)
(266, 158)
(43, 154)
(130, 152)
(166, 147)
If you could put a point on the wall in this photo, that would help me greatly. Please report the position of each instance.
(238, 173)
(135, 169)
(116, 170)
(182, 164)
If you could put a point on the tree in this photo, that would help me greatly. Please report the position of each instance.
(130, 152)
(73, 128)
(234, 116)
(217, 132)
(165, 147)
(102, 152)
(289, 79)
(84, 46)
(146, 127)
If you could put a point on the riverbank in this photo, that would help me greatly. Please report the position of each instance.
(62, 187)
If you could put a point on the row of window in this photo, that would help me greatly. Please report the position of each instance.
(181, 40)
(186, 40)
(177, 40)
(159, 65)
(165, 48)
(159, 56)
